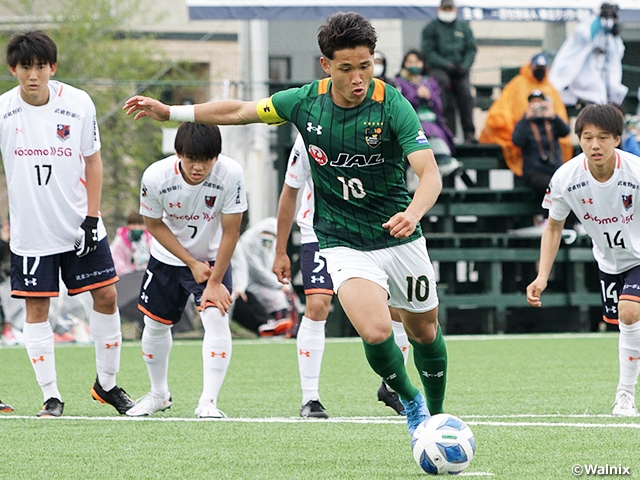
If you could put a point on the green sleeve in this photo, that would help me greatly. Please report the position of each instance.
(405, 124)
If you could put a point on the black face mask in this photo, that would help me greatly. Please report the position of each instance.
(539, 73)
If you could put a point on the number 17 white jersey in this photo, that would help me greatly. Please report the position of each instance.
(43, 150)
(192, 212)
(606, 210)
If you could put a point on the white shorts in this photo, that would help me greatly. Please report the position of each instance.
(404, 271)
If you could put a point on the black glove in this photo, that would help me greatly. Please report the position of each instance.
(87, 237)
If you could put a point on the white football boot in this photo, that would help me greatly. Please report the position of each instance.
(209, 410)
(624, 405)
(149, 405)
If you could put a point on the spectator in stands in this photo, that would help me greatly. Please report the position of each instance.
(262, 303)
(537, 135)
(423, 93)
(513, 103)
(131, 246)
(380, 66)
(588, 66)
(450, 49)
(628, 141)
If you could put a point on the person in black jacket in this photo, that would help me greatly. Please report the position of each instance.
(537, 135)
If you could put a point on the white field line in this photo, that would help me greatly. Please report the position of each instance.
(292, 341)
(354, 420)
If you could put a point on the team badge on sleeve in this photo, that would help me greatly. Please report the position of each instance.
(421, 139)
(627, 201)
(63, 132)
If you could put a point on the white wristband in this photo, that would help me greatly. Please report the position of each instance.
(182, 113)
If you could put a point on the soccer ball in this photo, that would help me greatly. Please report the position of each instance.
(443, 444)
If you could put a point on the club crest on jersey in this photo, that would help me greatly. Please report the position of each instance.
(318, 155)
(627, 201)
(63, 132)
(209, 200)
(373, 136)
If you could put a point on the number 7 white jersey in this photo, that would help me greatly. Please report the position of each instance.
(606, 210)
(192, 212)
(43, 150)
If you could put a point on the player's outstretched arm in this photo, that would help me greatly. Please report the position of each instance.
(549, 245)
(403, 224)
(286, 214)
(221, 112)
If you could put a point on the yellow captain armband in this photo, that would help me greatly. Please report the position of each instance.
(267, 112)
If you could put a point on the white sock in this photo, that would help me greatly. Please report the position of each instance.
(105, 331)
(38, 340)
(310, 342)
(401, 338)
(156, 347)
(216, 353)
(629, 356)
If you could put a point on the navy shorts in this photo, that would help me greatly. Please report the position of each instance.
(166, 288)
(623, 286)
(39, 276)
(313, 267)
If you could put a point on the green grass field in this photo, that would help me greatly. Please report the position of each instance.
(537, 404)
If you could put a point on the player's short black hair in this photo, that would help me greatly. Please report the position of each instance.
(346, 30)
(198, 141)
(31, 47)
(606, 117)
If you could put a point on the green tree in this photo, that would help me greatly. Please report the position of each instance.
(96, 55)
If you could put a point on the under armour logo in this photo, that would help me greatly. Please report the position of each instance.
(148, 355)
(144, 297)
(587, 201)
(39, 359)
(311, 128)
(33, 281)
(305, 353)
(610, 309)
(220, 354)
(433, 375)
(631, 359)
(405, 348)
(114, 345)
(319, 278)
(266, 109)
(390, 377)
(177, 205)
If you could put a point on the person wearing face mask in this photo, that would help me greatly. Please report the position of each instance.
(380, 66)
(423, 93)
(512, 104)
(588, 67)
(450, 49)
(131, 246)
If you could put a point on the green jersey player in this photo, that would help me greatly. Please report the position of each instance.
(357, 132)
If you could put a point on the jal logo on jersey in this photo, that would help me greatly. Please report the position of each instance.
(318, 155)
(63, 132)
(209, 200)
(627, 201)
(373, 136)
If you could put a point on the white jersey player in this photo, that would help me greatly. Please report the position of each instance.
(51, 152)
(601, 187)
(318, 288)
(192, 204)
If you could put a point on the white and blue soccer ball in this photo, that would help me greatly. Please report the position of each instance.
(443, 444)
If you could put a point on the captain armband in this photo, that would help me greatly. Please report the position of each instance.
(267, 112)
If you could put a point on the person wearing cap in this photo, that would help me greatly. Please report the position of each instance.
(512, 104)
(537, 135)
(450, 49)
(588, 66)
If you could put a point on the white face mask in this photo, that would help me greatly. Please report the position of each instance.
(378, 69)
(447, 17)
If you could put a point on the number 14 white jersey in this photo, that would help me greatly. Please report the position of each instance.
(606, 210)
(43, 150)
(192, 212)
